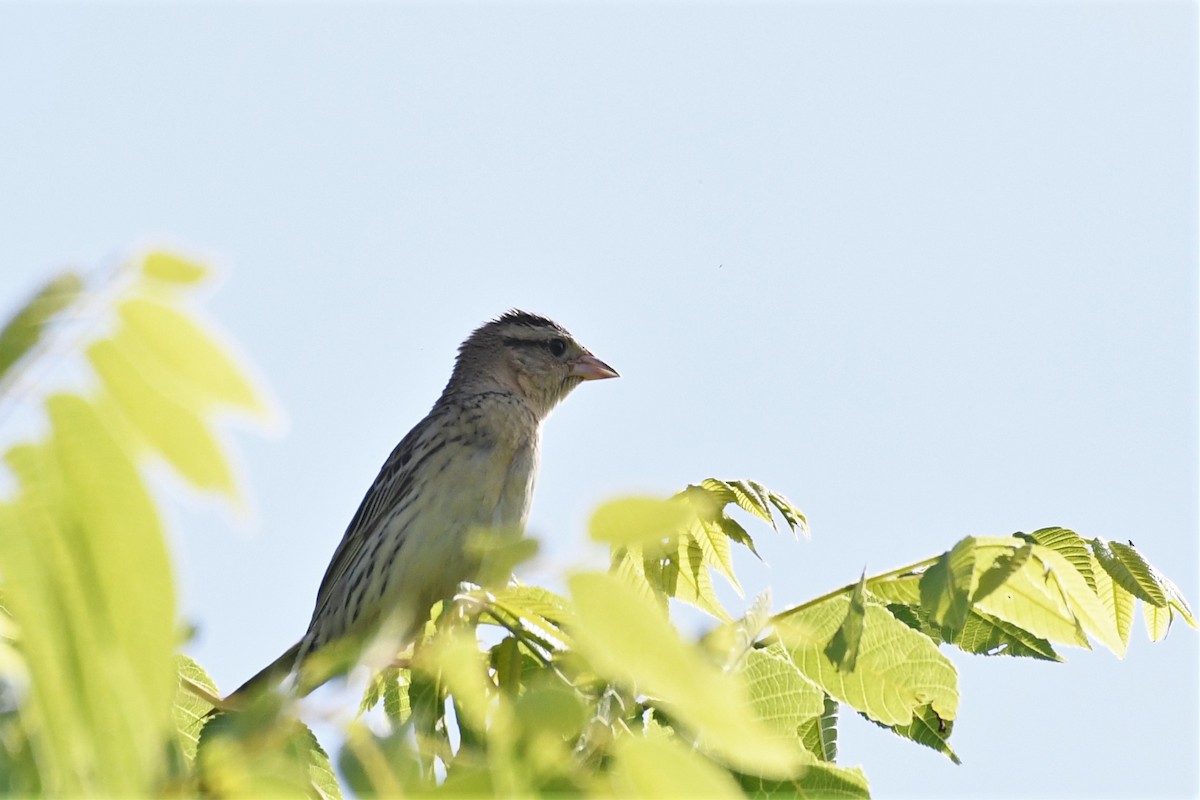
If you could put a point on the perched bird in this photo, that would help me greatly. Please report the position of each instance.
(469, 465)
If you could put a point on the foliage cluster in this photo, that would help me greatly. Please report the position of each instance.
(513, 689)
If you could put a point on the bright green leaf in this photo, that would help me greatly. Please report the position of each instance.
(174, 430)
(1158, 621)
(629, 640)
(779, 693)
(655, 767)
(1130, 571)
(898, 669)
(185, 352)
(171, 268)
(639, 521)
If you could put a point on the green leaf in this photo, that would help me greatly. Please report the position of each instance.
(947, 585)
(263, 752)
(659, 766)
(903, 589)
(1117, 603)
(987, 635)
(819, 734)
(498, 551)
(172, 429)
(1158, 621)
(898, 669)
(540, 613)
(99, 645)
(1046, 596)
(179, 348)
(171, 268)
(25, 329)
(629, 640)
(714, 548)
(455, 660)
(842, 650)
(379, 766)
(779, 693)
(750, 496)
(928, 729)
(190, 712)
(1177, 601)
(692, 582)
(730, 642)
(815, 782)
(639, 521)
(1130, 571)
(792, 515)
(1070, 546)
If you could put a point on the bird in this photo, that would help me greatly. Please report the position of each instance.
(469, 465)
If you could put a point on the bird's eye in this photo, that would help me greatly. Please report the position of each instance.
(557, 347)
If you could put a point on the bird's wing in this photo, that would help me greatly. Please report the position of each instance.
(391, 486)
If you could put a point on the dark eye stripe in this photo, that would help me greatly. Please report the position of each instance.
(514, 341)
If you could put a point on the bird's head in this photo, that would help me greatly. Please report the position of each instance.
(530, 355)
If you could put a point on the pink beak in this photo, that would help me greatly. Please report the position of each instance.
(591, 368)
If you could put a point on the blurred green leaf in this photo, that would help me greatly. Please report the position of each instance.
(638, 521)
(177, 347)
(658, 766)
(25, 329)
(175, 431)
(630, 641)
(168, 267)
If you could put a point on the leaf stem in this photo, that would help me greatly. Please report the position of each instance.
(916, 565)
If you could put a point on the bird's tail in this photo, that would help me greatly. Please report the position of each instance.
(266, 678)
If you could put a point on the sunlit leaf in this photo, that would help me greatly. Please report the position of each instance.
(1070, 546)
(188, 354)
(655, 767)
(898, 669)
(630, 641)
(930, 730)
(1158, 621)
(819, 734)
(1130, 571)
(1117, 603)
(190, 711)
(639, 521)
(456, 661)
(175, 431)
(815, 782)
(779, 693)
(171, 268)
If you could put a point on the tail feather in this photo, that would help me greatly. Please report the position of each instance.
(266, 678)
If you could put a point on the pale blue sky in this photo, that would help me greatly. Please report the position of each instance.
(928, 269)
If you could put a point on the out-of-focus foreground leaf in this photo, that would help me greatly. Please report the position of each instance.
(26, 328)
(84, 567)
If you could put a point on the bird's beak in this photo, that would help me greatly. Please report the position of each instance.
(591, 368)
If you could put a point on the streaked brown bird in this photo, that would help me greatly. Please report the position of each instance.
(469, 465)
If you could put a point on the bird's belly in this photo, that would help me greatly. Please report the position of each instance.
(488, 490)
